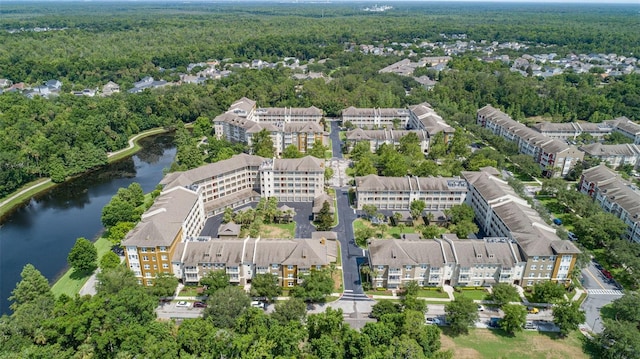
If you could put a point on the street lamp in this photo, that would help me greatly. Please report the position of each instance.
(593, 327)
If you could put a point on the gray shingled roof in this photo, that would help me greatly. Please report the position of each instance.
(162, 222)
(401, 252)
(378, 183)
(598, 149)
(305, 164)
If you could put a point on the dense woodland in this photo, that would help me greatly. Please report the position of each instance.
(97, 42)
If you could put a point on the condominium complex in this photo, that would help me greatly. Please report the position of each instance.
(373, 118)
(500, 212)
(571, 130)
(614, 195)
(446, 261)
(554, 156)
(614, 155)
(190, 197)
(286, 126)
(397, 193)
(377, 138)
(423, 117)
(628, 128)
(242, 259)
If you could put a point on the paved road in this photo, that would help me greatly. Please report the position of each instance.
(335, 139)
(600, 293)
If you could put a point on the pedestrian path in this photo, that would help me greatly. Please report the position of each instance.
(351, 296)
(605, 292)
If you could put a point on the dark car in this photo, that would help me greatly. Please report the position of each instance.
(199, 304)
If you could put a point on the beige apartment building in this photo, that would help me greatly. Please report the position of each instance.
(377, 138)
(614, 155)
(500, 212)
(242, 259)
(375, 118)
(190, 197)
(554, 156)
(615, 195)
(397, 193)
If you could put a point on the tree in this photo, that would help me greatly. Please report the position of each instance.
(370, 210)
(317, 150)
(265, 285)
(164, 285)
(599, 229)
(228, 215)
(291, 151)
(324, 222)
(548, 292)
(115, 280)
(464, 228)
(515, 317)
(527, 164)
(119, 210)
(215, 280)
(619, 340)
(383, 307)
(568, 315)
(83, 256)
(225, 305)
(33, 285)
(503, 293)
(116, 233)
(288, 310)
(416, 208)
(461, 313)
(109, 260)
(315, 286)
(262, 144)
(362, 236)
(460, 213)
(328, 173)
(364, 167)
(431, 231)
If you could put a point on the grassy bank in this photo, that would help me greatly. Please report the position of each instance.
(71, 282)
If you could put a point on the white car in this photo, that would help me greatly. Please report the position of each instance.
(258, 305)
(433, 321)
(183, 304)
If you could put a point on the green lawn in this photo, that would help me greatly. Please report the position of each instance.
(475, 294)
(486, 343)
(189, 291)
(71, 282)
(391, 232)
(426, 293)
(289, 227)
(4, 209)
(558, 210)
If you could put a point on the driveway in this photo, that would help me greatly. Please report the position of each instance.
(600, 292)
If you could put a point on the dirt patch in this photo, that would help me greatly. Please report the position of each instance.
(267, 231)
(336, 275)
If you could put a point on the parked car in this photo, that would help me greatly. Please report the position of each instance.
(557, 221)
(607, 274)
(493, 322)
(434, 321)
(571, 236)
(199, 304)
(533, 310)
(183, 304)
(481, 307)
(530, 325)
(259, 305)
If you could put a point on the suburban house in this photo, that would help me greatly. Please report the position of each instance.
(397, 193)
(554, 156)
(614, 155)
(188, 198)
(615, 195)
(501, 212)
(110, 88)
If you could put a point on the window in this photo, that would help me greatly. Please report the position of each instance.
(549, 266)
(535, 258)
(146, 266)
(534, 267)
(164, 257)
(529, 282)
(289, 284)
(145, 258)
(165, 266)
(275, 266)
(290, 267)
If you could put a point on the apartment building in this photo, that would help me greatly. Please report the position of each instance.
(571, 130)
(500, 212)
(190, 197)
(615, 195)
(292, 180)
(377, 138)
(614, 155)
(176, 215)
(446, 261)
(554, 156)
(423, 117)
(397, 193)
(628, 128)
(374, 118)
(242, 259)
(286, 126)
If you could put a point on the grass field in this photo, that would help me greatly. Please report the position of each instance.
(390, 232)
(475, 294)
(485, 343)
(71, 282)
